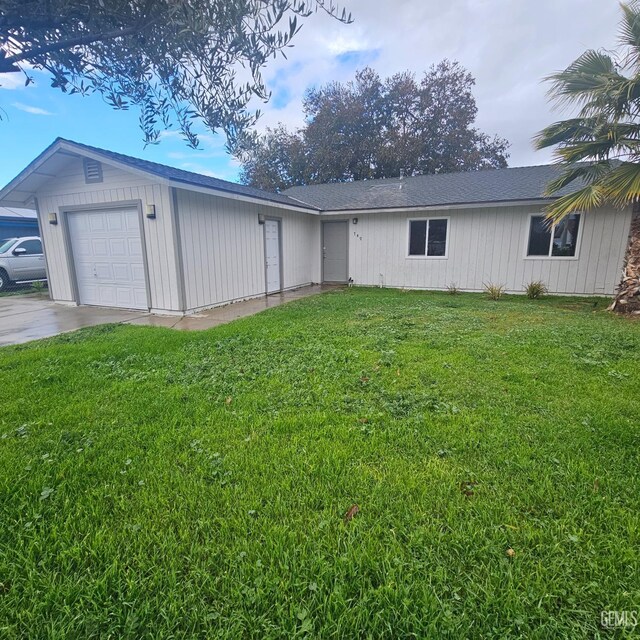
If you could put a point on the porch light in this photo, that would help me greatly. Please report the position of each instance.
(151, 211)
(53, 218)
(355, 221)
(261, 218)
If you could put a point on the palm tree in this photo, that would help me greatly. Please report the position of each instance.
(599, 149)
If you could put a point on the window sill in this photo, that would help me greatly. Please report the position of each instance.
(426, 257)
(567, 258)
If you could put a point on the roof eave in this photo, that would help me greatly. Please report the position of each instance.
(189, 186)
(441, 207)
(67, 146)
(11, 187)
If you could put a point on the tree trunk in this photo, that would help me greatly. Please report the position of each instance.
(627, 299)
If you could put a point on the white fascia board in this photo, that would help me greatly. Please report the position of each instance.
(185, 186)
(441, 207)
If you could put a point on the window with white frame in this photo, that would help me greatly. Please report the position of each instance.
(428, 238)
(548, 240)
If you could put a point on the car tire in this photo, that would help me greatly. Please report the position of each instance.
(5, 283)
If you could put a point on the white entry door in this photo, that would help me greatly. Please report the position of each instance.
(272, 255)
(108, 258)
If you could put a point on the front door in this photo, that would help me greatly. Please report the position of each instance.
(334, 251)
(272, 255)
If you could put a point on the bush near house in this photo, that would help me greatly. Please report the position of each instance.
(536, 289)
(159, 484)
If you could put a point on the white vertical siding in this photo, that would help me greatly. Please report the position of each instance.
(68, 189)
(221, 245)
(487, 245)
(222, 248)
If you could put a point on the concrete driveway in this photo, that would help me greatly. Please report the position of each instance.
(28, 317)
(31, 316)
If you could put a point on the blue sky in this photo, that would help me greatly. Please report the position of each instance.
(508, 46)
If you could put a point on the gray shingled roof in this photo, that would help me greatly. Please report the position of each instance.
(188, 177)
(468, 187)
(17, 214)
(444, 189)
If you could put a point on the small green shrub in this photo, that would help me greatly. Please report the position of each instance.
(37, 286)
(453, 289)
(494, 291)
(536, 289)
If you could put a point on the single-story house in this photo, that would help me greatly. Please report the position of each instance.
(15, 223)
(123, 232)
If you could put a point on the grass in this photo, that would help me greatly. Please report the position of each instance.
(157, 484)
(20, 289)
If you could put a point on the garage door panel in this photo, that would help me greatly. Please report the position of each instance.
(107, 296)
(99, 247)
(82, 248)
(96, 221)
(140, 298)
(135, 247)
(108, 258)
(118, 247)
(116, 223)
(103, 271)
(137, 274)
(82, 224)
(121, 272)
(131, 222)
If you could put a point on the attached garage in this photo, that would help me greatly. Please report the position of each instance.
(108, 258)
(123, 232)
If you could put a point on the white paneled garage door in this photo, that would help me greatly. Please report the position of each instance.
(108, 258)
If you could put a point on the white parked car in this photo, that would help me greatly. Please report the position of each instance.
(21, 260)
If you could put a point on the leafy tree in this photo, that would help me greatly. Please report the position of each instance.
(178, 60)
(279, 160)
(599, 149)
(374, 128)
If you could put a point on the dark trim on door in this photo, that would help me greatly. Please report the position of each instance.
(177, 247)
(323, 222)
(264, 244)
(44, 250)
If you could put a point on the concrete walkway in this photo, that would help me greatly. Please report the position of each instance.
(33, 316)
(222, 315)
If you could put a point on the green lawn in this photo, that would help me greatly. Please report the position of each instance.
(157, 484)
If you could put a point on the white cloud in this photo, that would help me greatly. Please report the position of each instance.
(222, 174)
(12, 81)
(166, 135)
(36, 111)
(509, 47)
(18, 79)
(345, 43)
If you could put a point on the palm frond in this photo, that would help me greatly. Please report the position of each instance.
(630, 27)
(589, 197)
(585, 78)
(590, 150)
(618, 99)
(586, 173)
(564, 131)
(598, 149)
(622, 184)
(581, 139)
